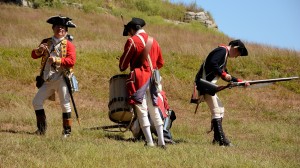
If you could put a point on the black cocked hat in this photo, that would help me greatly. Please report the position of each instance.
(133, 24)
(240, 46)
(61, 20)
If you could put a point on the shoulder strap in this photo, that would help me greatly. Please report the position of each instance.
(145, 52)
(226, 56)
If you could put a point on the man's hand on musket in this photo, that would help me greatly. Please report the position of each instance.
(42, 48)
(227, 77)
(51, 60)
(247, 84)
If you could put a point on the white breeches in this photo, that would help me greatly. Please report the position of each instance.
(215, 106)
(142, 111)
(48, 89)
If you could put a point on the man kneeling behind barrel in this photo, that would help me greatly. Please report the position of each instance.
(168, 116)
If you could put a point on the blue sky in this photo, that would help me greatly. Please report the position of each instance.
(272, 22)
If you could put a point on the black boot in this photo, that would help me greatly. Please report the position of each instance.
(216, 139)
(67, 123)
(41, 122)
(219, 135)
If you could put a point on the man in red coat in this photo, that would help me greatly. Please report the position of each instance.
(142, 93)
(58, 57)
(167, 115)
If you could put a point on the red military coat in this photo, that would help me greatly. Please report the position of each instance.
(67, 61)
(140, 71)
(162, 103)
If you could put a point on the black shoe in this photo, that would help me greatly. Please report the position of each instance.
(164, 147)
(169, 141)
(214, 142)
(39, 132)
(227, 144)
(66, 133)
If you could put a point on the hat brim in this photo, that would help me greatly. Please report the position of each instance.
(63, 21)
(125, 31)
(133, 24)
(243, 51)
(240, 46)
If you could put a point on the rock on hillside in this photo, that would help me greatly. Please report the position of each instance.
(202, 17)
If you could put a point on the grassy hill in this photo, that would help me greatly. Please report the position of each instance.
(262, 123)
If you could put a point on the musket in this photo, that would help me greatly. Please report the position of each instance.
(265, 81)
(118, 58)
(122, 19)
(212, 88)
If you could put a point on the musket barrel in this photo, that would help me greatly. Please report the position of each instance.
(267, 80)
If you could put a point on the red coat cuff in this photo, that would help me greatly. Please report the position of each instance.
(223, 75)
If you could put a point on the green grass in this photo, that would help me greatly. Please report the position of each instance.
(262, 123)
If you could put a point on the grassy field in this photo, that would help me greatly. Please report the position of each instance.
(262, 123)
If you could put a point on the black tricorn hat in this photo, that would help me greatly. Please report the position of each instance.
(133, 24)
(61, 20)
(240, 46)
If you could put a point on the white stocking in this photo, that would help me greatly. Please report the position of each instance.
(160, 135)
(147, 133)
